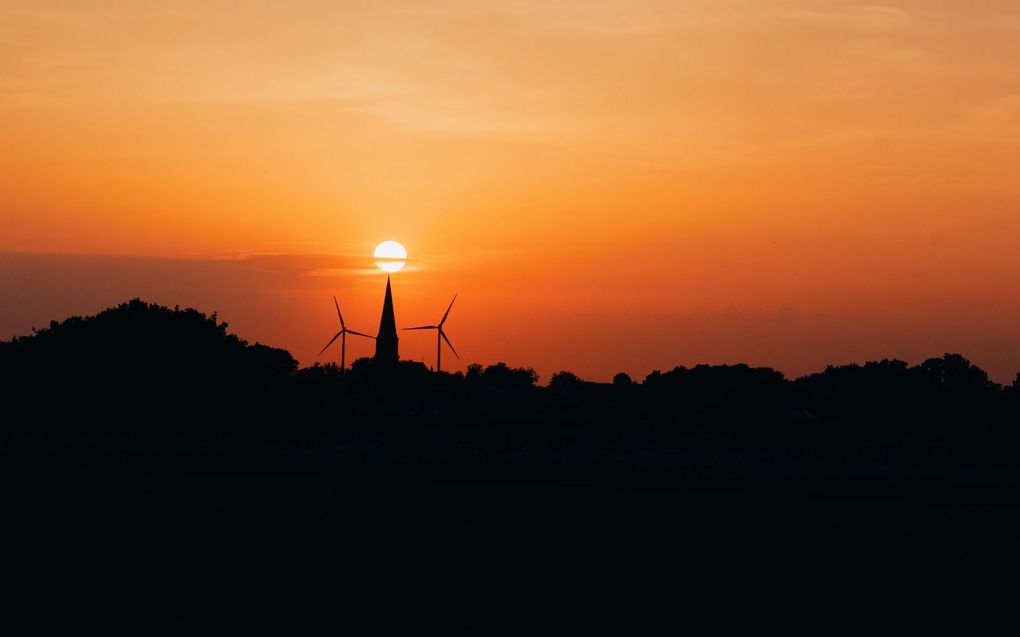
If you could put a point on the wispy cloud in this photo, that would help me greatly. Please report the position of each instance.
(864, 17)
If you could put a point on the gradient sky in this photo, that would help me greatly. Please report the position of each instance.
(609, 185)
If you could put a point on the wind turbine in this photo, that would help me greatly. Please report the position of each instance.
(441, 336)
(342, 335)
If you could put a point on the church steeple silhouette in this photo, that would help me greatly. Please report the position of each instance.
(386, 341)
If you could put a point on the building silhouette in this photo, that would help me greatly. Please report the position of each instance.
(386, 341)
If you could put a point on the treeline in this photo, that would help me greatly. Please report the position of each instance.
(144, 370)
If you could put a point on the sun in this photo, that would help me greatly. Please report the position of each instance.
(390, 256)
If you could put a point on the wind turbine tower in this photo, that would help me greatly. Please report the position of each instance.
(342, 335)
(440, 336)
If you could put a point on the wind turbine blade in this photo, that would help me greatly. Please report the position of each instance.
(342, 326)
(358, 333)
(448, 310)
(329, 343)
(443, 334)
(423, 327)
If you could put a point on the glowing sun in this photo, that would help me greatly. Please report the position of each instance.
(390, 256)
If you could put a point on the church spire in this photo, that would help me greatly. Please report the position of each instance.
(386, 341)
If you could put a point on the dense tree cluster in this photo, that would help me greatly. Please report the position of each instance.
(134, 365)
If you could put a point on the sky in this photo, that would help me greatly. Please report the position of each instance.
(608, 185)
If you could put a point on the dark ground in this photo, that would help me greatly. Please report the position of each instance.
(202, 485)
(321, 551)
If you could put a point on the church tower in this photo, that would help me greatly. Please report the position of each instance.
(386, 341)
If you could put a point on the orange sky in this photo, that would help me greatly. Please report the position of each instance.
(613, 185)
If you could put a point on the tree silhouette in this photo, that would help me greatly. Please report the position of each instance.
(564, 382)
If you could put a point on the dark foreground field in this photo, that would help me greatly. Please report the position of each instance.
(200, 484)
(165, 550)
